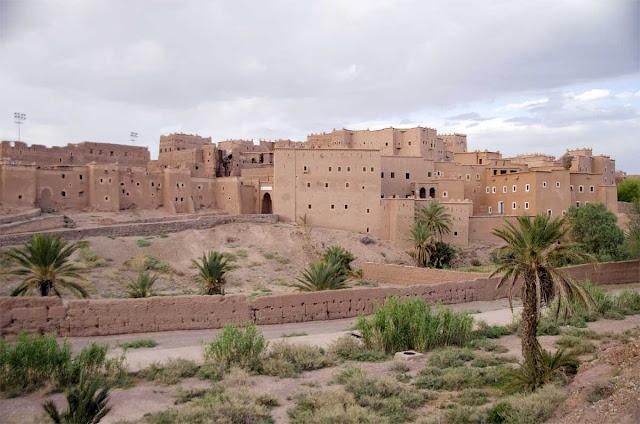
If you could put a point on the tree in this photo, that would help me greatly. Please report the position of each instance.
(441, 255)
(629, 190)
(212, 268)
(88, 404)
(632, 236)
(45, 267)
(143, 285)
(422, 241)
(596, 228)
(322, 275)
(534, 248)
(436, 218)
(340, 256)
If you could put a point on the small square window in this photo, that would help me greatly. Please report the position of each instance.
(346, 206)
(527, 187)
(393, 175)
(544, 184)
(407, 176)
(557, 184)
(514, 188)
(333, 206)
(514, 205)
(526, 205)
(504, 189)
(592, 189)
(309, 206)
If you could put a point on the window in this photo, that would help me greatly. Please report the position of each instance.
(305, 168)
(581, 189)
(346, 185)
(564, 213)
(526, 205)
(557, 184)
(493, 190)
(490, 209)
(549, 212)
(487, 189)
(577, 204)
(339, 168)
(527, 187)
(326, 185)
(333, 206)
(445, 194)
(308, 184)
(428, 173)
(382, 175)
(477, 177)
(346, 206)
(504, 189)
(544, 184)
(407, 176)
(309, 206)
(63, 194)
(364, 169)
(514, 188)
(368, 210)
(63, 176)
(348, 169)
(468, 177)
(514, 205)
(592, 189)
(571, 187)
(80, 176)
(372, 169)
(329, 169)
(393, 175)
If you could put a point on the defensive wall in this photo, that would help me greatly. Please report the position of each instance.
(94, 317)
(145, 228)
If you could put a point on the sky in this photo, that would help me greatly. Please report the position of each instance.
(517, 76)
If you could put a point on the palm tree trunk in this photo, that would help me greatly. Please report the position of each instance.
(531, 350)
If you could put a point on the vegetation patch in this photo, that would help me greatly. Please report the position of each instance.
(532, 408)
(286, 360)
(384, 396)
(242, 347)
(412, 325)
(143, 243)
(348, 348)
(459, 378)
(138, 344)
(332, 406)
(169, 372)
(450, 357)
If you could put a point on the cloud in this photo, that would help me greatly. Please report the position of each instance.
(95, 70)
(594, 94)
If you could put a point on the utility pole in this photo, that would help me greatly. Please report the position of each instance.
(19, 118)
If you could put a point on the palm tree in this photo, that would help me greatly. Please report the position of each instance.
(533, 251)
(422, 239)
(322, 275)
(436, 218)
(341, 256)
(143, 285)
(211, 270)
(44, 265)
(87, 404)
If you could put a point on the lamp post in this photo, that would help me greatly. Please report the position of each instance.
(19, 118)
(133, 136)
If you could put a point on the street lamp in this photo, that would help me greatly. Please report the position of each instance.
(133, 136)
(19, 118)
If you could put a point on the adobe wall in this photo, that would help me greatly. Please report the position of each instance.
(37, 224)
(145, 229)
(19, 216)
(93, 317)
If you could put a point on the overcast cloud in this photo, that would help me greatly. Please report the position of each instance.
(517, 76)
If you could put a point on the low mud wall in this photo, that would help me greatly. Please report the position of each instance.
(96, 317)
(20, 216)
(37, 224)
(145, 229)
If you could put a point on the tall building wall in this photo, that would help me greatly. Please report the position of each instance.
(74, 154)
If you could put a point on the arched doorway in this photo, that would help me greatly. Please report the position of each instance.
(423, 192)
(45, 202)
(266, 203)
(432, 193)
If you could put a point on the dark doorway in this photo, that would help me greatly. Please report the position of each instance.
(423, 193)
(266, 203)
(432, 193)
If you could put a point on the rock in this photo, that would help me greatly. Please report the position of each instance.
(366, 240)
(408, 355)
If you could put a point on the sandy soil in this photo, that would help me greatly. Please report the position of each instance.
(268, 257)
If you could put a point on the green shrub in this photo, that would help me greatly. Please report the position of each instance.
(88, 403)
(459, 378)
(322, 276)
(473, 397)
(137, 344)
(484, 330)
(465, 415)
(412, 324)
(384, 396)
(31, 362)
(348, 348)
(286, 360)
(143, 243)
(450, 357)
(332, 406)
(575, 344)
(484, 361)
(142, 286)
(629, 190)
(340, 256)
(628, 301)
(35, 361)
(487, 345)
(533, 408)
(441, 255)
(242, 347)
(556, 366)
(169, 372)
